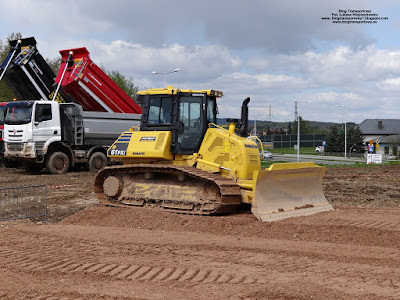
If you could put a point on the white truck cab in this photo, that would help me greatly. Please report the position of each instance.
(59, 135)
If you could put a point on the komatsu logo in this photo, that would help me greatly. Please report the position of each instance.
(250, 146)
(148, 139)
(117, 152)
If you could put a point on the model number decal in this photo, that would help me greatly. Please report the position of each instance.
(148, 139)
(118, 149)
(117, 152)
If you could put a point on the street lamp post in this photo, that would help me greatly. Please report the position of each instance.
(298, 130)
(298, 137)
(165, 74)
(255, 124)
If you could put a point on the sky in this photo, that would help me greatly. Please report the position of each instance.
(277, 52)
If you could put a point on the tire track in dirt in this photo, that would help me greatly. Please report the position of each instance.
(35, 262)
(111, 254)
(344, 277)
(60, 296)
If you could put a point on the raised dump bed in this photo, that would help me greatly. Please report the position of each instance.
(81, 78)
(27, 73)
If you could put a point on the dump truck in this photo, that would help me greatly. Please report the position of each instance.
(78, 80)
(56, 136)
(180, 160)
(81, 79)
(27, 73)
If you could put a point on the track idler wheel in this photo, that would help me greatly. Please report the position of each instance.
(113, 186)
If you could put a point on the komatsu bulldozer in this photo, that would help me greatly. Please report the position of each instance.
(180, 160)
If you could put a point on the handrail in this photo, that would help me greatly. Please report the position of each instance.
(251, 137)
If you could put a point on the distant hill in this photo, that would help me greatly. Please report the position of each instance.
(315, 127)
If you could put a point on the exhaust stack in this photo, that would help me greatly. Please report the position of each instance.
(244, 121)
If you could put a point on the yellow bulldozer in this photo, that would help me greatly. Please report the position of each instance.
(180, 160)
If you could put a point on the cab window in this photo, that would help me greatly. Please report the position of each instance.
(160, 109)
(211, 111)
(43, 112)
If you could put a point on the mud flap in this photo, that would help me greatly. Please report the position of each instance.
(289, 190)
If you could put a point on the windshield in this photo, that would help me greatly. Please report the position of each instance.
(2, 115)
(16, 115)
(160, 110)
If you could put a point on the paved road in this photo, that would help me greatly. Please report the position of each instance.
(319, 159)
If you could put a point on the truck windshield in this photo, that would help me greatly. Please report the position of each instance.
(2, 115)
(16, 115)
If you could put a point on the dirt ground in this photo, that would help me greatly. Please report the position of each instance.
(88, 251)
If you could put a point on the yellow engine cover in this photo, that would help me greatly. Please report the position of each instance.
(236, 157)
(142, 145)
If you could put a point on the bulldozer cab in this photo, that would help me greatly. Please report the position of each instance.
(186, 113)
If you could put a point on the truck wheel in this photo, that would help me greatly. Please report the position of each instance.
(57, 163)
(33, 168)
(97, 161)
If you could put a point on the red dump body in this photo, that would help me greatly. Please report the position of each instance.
(91, 87)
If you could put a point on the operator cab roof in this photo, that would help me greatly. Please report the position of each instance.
(170, 90)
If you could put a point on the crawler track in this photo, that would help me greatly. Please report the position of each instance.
(174, 188)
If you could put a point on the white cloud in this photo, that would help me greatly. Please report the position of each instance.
(199, 63)
(392, 84)
(276, 52)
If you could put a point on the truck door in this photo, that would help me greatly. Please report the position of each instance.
(46, 125)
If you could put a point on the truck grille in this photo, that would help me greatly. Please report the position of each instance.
(15, 136)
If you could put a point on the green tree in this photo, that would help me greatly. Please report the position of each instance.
(5, 93)
(355, 140)
(333, 141)
(54, 64)
(125, 83)
(304, 126)
(289, 131)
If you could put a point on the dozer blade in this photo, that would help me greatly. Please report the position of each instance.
(289, 190)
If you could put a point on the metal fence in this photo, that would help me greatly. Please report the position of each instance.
(23, 202)
(289, 140)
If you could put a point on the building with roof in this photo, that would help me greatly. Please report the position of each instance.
(382, 132)
(376, 128)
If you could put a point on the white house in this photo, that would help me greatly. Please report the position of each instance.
(383, 132)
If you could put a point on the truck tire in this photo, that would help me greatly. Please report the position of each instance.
(57, 163)
(97, 161)
(33, 168)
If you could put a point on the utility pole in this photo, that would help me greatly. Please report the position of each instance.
(270, 113)
(298, 130)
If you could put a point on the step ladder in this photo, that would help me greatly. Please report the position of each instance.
(78, 70)
(78, 134)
